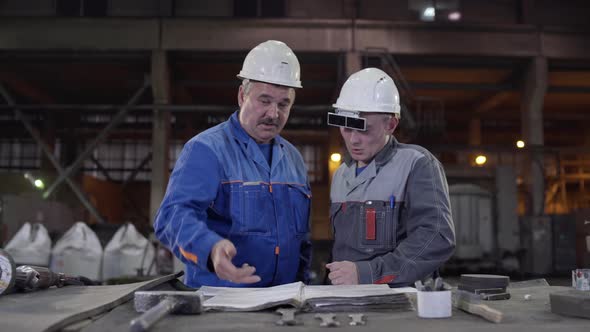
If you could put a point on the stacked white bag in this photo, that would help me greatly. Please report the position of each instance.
(127, 252)
(78, 252)
(31, 245)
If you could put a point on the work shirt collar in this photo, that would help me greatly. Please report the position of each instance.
(380, 159)
(252, 148)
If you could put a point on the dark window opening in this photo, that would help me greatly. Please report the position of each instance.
(95, 8)
(245, 8)
(272, 8)
(90, 8)
(68, 7)
(259, 8)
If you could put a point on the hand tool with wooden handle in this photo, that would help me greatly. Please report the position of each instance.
(471, 303)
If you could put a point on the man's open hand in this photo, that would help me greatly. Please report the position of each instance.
(343, 273)
(221, 255)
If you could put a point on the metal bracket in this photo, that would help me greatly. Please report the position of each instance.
(327, 320)
(357, 319)
(288, 317)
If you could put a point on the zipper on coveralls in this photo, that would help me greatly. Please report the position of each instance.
(277, 248)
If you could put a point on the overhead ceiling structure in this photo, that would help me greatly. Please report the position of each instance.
(472, 80)
(462, 84)
(491, 90)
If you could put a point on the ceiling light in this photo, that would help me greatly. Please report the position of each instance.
(454, 16)
(480, 160)
(428, 12)
(39, 183)
(336, 157)
(520, 144)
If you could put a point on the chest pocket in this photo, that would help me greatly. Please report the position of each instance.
(378, 225)
(253, 213)
(299, 200)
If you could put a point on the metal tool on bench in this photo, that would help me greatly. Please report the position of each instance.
(571, 302)
(327, 320)
(431, 285)
(487, 286)
(471, 303)
(492, 294)
(29, 278)
(7, 272)
(288, 317)
(357, 319)
(434, 283)
(157, 304)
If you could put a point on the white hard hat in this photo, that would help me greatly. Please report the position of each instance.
(272, 62)
(369, 90)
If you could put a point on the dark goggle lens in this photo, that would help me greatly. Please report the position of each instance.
(336, 120)
(346, 122)
(354, 123)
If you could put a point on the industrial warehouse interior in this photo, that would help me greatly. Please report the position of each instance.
(99, 97)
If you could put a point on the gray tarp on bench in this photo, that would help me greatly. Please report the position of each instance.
(52, 309)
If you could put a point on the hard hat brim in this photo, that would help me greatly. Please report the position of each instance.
(352, 108)
(295, 84)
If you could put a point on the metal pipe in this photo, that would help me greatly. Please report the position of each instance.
(101, 168)
(136, 170)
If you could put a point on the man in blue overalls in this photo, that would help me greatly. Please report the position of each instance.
(236, 210)
(390, 208)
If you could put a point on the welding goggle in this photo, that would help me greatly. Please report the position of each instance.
(346, 121)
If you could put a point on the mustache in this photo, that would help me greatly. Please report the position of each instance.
(269, 121)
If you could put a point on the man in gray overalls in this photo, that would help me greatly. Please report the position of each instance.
(390, 208)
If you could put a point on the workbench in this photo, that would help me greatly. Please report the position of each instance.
(519, 314)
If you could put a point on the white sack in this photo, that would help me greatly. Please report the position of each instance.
(127, 252)
(31, 245)
(78, 252)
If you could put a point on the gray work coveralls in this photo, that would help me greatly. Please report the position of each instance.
(393, 219)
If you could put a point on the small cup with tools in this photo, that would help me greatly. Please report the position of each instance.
(434, 298)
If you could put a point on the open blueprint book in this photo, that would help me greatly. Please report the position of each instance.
(307, 298)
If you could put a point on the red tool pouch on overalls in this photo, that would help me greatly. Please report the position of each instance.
(370, 224)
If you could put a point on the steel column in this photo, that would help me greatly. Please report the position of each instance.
(161, 130)
(534, 89)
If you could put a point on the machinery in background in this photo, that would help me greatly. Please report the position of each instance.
(491, 236)
(484, 208)
(472, 208)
